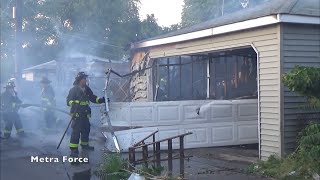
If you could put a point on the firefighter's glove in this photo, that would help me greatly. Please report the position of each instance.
(74, 107)
(102, 100)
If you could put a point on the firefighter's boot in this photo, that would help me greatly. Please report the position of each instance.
(87, 147)
(74, 154)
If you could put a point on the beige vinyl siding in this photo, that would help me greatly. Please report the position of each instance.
(300, 46)
(266, 40)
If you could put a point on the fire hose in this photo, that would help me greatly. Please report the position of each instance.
(41, 106)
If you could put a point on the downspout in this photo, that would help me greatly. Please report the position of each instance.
(208, 78)
(258, 87)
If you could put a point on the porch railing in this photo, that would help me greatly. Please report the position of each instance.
(156, 152)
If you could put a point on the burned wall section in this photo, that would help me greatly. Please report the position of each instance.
(140, 82)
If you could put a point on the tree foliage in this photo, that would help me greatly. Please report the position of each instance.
(56, 28)
(195, 11)
(306, 82)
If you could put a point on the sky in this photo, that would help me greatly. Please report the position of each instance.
(167, 12)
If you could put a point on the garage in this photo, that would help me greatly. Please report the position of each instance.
(232, 68)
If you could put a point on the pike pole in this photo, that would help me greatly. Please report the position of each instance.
(71, 119)
(106, 112)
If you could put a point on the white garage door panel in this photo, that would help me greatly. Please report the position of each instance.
(221, 111)
(168, 113)
(223, 123)
(247, 132)
(199, 136)
(189, 115)
(247, 112)
(141, 114)
(204, 135)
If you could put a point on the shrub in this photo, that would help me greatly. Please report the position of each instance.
(306, 82)
(305, 161)
(112, 168)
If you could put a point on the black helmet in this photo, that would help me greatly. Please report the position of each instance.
(45, 80)
(80, 75)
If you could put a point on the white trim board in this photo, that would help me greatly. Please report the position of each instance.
(248, 24)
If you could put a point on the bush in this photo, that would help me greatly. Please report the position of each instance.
(302, 164)
(112, 168)
(306, 82)
(305, 161)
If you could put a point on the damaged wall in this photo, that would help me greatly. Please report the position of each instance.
(266, 41)
(140, 82)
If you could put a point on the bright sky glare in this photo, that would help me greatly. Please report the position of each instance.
(167, 12)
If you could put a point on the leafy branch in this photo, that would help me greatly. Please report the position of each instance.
(306, 82)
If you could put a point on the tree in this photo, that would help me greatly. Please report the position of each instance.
(7, 41)
(195, 12)
(149, 28)
(57, 28)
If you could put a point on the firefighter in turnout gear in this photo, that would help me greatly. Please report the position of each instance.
(10, 104)
(78, 99)
(47, 100)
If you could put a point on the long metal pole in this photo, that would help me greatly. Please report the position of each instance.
(64, 133)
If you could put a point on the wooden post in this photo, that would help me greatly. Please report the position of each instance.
(145, 155)
(181, 157)
(170, 157)
(158, 155)
(154, 149)
(132, 158)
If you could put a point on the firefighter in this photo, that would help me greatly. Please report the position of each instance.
(10, 104)
(47, 100)
(78, 99)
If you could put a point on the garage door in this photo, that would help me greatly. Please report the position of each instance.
(220, 123)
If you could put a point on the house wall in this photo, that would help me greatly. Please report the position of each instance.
(300, 45)
(266, 40)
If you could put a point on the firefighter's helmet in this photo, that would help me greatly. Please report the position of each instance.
(45, 80)
(81, 75)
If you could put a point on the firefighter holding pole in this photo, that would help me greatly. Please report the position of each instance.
(78, 99)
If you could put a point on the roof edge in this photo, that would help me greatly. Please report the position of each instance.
(248, 24)
(299, 19)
